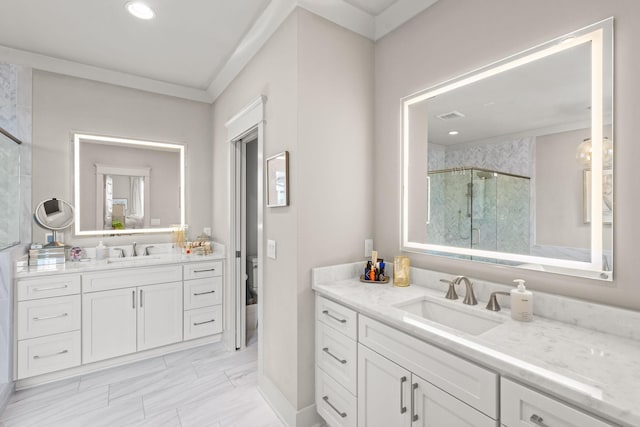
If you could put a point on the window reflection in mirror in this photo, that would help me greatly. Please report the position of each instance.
(494, 162)
(127, 186)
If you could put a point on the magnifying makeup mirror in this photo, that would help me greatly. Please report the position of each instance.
(55, 215)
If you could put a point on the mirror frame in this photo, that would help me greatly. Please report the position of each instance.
(594, 34)
(77, 137)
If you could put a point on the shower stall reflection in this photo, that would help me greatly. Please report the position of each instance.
(480, 209)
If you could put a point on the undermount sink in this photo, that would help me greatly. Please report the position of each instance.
(459, 318)
(133, 259)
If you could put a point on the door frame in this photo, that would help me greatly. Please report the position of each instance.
(245, 123)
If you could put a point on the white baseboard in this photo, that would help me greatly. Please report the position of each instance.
(306, 417)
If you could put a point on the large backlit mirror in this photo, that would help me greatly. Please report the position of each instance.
(125, 186)
(513, 163)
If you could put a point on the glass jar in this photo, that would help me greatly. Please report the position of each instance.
(401, 270)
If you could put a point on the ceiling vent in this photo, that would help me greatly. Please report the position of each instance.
(450, 115)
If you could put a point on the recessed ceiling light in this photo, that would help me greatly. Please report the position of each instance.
(140, 10)
(453, 132)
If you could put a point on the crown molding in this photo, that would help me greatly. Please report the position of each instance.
(397, 14)
(89, 72)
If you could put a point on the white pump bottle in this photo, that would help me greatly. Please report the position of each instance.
(521, 303)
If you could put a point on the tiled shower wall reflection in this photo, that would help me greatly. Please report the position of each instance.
(483, 211)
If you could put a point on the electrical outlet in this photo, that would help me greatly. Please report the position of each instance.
(368, 247)
(207, 231)
(155, 221)
(271, 249)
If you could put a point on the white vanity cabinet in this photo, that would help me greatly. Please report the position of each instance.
(202, 299)
(336, 363)
(397, 380)
(47, 324)
(525, 407)
(406, 382)
(125, 320)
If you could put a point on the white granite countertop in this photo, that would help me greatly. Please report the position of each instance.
(596, 371)
(94, 265)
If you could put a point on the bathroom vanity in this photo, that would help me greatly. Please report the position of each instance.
(407, 356)
(78, 317)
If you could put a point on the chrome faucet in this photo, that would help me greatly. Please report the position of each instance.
(146, 250)
(469, 297)
(133, 251)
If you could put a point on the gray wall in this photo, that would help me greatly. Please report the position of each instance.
(455, 36)
(63, 104)
(252, 198)
(319, 83)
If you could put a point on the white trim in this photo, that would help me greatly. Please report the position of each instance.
(306, 417)
(344, 14)
(103, 75)
(245, 119)
(264, 27)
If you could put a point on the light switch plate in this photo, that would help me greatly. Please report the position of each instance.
(271, 249)
(155, 221)
(368, 247)
(207, 231)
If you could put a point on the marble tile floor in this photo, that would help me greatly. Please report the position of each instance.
(206, 386)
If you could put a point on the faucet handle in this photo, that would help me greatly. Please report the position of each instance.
(121, 252)
(493, 300)
(146, 250)
(451, 293)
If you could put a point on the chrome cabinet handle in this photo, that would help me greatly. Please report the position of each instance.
(403, 408)
(51, 355)
(202, 323)
(342, 414)
(50, 288)
(326, 350)
(133, 299)
(203, 271)
(140, 298)
(537, 420)
(414, 414)
(204, 293)
(334, 317)
(51, 317)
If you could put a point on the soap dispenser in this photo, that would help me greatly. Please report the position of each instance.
(101, 251)
(521, 303)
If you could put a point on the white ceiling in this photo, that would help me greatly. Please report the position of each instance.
(192, 49)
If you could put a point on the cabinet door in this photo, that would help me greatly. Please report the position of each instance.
(383, 391)
(159, 315)
(108, 324)
(432, 407)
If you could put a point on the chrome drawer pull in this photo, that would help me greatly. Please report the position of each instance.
(51, 317)
(204, 271)
(204, 293)
(51, 355)
(202, 323)
(326, 350)
(342, 414)
(403, 408)
(414, 415)
(537, 420)
(50, 288)
(334, 317)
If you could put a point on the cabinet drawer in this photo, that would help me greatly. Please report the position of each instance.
(41, 317)
(202, 292)
(335, 404)
(202, 269)
(202, 321)
(474, 385)
(524, 407)
(340, 318)
(49, 286)
(130, 277)
(47, 354)
(337, 355)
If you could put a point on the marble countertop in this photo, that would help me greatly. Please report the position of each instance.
(95, 265)
(596, 371)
